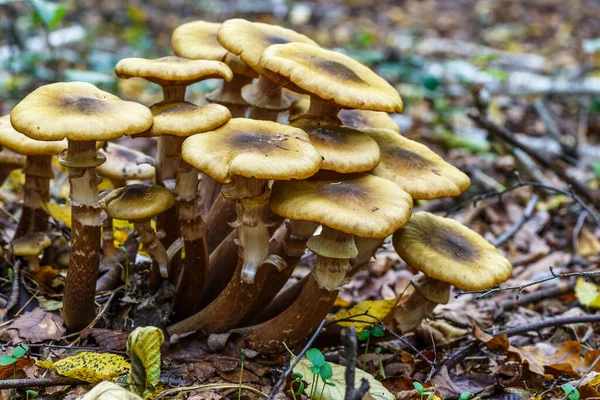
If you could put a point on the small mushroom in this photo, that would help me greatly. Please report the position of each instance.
(248, 40)
(138, 203)
(360, 205)
(83, 114)
(449, 254)
(197, 40)
(38, 173)
(30, 246)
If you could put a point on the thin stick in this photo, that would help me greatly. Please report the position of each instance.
(527, 214)
(40, 382)
(211, 386)
(350, 353)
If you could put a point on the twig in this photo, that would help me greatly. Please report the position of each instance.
(350, 352)
(289, 370)
(586, 373)
(14, 291)
(54, 346)
(546, 117)
(577, 229)
(40, 382)
(210, 386)
(528, 213)
(529, 298)
(519, 288)
(509, 137)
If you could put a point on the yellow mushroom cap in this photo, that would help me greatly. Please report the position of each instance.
(250, 39)
(121, 164)
(138, 202)
(21, 144)
(30, 244)
(344, 150)
(446, 250)
(415, 168)
(252, 149)
(332, 76)
(172, 71)
(185, 119)
(363, 119)
(77, 111)
(361, 205)
(197, 40)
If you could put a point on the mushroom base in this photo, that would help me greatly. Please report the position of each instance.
(152, 246)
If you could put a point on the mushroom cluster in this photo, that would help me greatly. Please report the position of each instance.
(241, 191)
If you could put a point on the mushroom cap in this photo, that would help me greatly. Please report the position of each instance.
(415, 168)
(77, 111)
(121, 163)
(30, 244)
(252, 149)
(250, 39)
(197, 40)
(172, 71)
(138, 202)
(332, 76)
(344, 150)
(362, 205)
(9, 158)
(185, 119)
(21, 144)
(364, 119)
(446, 250)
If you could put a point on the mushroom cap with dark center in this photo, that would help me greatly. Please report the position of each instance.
(250, 39)
(446, 250)
(331, 76)
(21, 144)
(30, 244)
(138, 202)
(77, 111)
(185, 119)
(344, 150)
(197, 40)
(364, 119)
(172, 71)
(415, 168)
(252, 149)
(121, 164)
(362, 205)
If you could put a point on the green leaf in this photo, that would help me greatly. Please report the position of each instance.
(11, 275)
(595, 168)
(326, 371)
(364, 335)
(571, 392)
(377, 350)
(315, 370)
(48, 12)
(7, 360)
(377, 331)
(143, 348)
(465, 396)
(419, 388)
(20, 351)
(315, 356)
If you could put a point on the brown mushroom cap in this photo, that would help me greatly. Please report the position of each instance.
(21, 144)
(361, 205)
(446, 250)
(197, 40)
(344, 150)
(250, 39)
(331, 76)
(138, 202)
(77, 111)
(30, 244)
(415, 168)
(172, 71)
(185, 119)
(121, 164)
(364, 119)
(252, 149)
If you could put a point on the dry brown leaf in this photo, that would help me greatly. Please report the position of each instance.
(35, 327)
(107, 339)
(9, 371)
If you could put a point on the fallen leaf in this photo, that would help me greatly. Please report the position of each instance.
(60, 212)
(106, 338)
(9, 371)
(38, 326)
(89, 367)
(587, 293)
(143, 348)
(48, 277)
(109, 391)
(374, 310)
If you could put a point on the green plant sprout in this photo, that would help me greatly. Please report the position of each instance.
(319, 368)
(31, 393)
(381, 370)
(11, 275)
(366, 334)
(421, 390)
(465, 396)
(242, 354)
(297, 378)
(17, 353)
(571, 392)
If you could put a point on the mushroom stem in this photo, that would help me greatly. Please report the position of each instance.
(321, 107)
(33, 262)
(174, 93)
(229, 95)
(152, 246)
(252, 198)
(36, 193)
(78, 300)
(222, 266)
(334, 250)
(191, 279)
(267, 92)
(220, 214)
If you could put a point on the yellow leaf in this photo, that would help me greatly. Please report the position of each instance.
(106, 184)
(143, 348)
(61, 212)
(369, 310)
(89, 367)
(587, 293)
